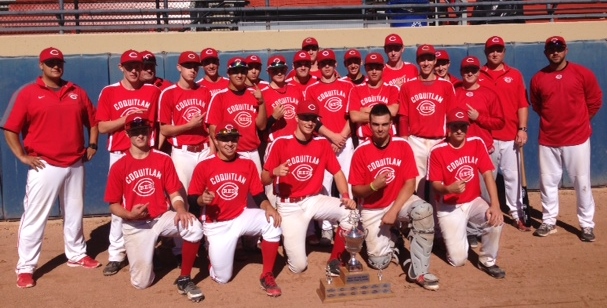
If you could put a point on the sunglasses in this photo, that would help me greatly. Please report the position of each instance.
(210, 61)
(376, 67)
(53, 63)
(302, 63)
(552, 49)
(137, 131)
(238, 70)
(277, 70)
(390, 48)
(307, 117)
(228, 138)
(468, 70)
(326, 63)
(458, 126)
(308, 48)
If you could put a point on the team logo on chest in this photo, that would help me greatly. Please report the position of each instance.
(243, 119)
(333, 104)
(469, 94)
(508, 79)
(464, 173)
(73, 96)
(289, 112)
(144, 184)
(144, 187)
(190, 112)
(559, 77)
(303, 172)
(228, 191)
(426, 108)
(390, 172)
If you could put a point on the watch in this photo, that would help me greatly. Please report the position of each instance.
(93, 146)
(523, 129)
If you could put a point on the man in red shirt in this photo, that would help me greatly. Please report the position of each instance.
(254, 64)
(383, 177)
(353, 62)
(566, 96)
(51, 113)
(301, 77)
(209, 59)
(453, 169)
(397, 71)
(142, 187)
(441, 69)
(148, 73)
(221, 184)
(116, 102)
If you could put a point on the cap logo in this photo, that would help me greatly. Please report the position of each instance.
(425, 47)
(191, 56)
(312, 107)
(230, 126)
(54, 52)
(459, 115)
(438, 53)
(309, 40)
(253, 57)
(276, 60)
(495, 39)
(352, 52)
(392, 38)
(554, 40)
(470, 60)
(325, 53)
(302, 54)
(209, 52)
(373, 57)
(237, 62)
(133, 54)
(147, 57)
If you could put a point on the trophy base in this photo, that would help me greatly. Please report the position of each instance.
(353, 286)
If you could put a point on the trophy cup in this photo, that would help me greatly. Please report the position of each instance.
(354, 282)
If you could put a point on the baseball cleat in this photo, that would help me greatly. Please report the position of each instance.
(545, 230)
(86, 262)
(185, 286)
(587, 234)
(520, 225)
(112, 268)
(268, 284)
(426, 281)
(472, 241)
(333, 268)
(25, 280)
(493, 271)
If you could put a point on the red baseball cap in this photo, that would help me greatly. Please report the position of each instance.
(325, 54)
(425, 50)
(51, 53)
(209, 53)
(301, 56)
(148, 57)
(131, 56)
(494, 41)
(374, 58)
(555, 40)
(277, 61)
(307, 107)
(237, 62)
(226, 128)
(457, 115)
(253, 59)
(470, 61)
(137, 119)
(189, 57)
(352, 54)
(442, 54)
(393, 39)
(309, 41)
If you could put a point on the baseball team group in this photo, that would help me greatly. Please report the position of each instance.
(411, 149)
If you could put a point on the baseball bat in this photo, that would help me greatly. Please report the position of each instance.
(526, 205)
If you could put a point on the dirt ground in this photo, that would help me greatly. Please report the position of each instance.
(556, 271)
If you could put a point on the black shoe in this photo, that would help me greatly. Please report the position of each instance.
(112, 268)
(493, 271)
(472, 241)
(587, 234)
(333, 268)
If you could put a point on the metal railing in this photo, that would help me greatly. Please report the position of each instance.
(23, 16)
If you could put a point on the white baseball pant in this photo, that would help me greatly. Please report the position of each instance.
(421, 151)
(42, 189)
(254, 156)
(116, 250)
(140, 238)
(506, 159)
(222, 237)
(576, 160)
(344, 157)
(296, 218)
(453, 220)
(269, 189)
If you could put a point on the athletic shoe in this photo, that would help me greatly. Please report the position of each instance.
(326, 238)
(333, 268)
(112, 268)
(472, 241)
(587, 234)
(185, 286)
(426, 281)
(25, 280)
(269, 285)
(312, 240)
(520, 225)
(86, 262)
(545, 230)
(493, 271)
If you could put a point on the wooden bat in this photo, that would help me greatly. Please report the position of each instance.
(526, 206)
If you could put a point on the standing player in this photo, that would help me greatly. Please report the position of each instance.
(397, 71)
(566, 96)
(116, 101)
(301, 66)
(424, 102)
(254, 64)
(220, 185)
(41, 111)
(296, 169)
(352, 62)
(141, 188)
(510, 87)
(453, 170)
(383, 175)
(148, 73)
(441, 69)
(209, 58)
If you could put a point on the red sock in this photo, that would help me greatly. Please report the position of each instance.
(188, 257)
(339, 245)
(269, 251)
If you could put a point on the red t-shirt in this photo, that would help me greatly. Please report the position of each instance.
(332, 100)
(116, 101)
(162, 83)
(301, 86)
(230, 181)
(178, 106)
(241, 108)
(317, 74)
(364, 96)
(368, 161)
(51, 122)
(424, 106)
(491, 116)
(222, 83)
(509, 85)
(565, 100)
(400, 76)
(139, 181)
(448, 165)
(288, 96)
(307, 163)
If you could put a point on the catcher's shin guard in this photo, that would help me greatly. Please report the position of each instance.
(421, 236)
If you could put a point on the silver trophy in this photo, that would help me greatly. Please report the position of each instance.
(354, 242)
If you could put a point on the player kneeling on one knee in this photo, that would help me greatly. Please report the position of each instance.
(220, 185)
(454, 167)
(383, 175)
(137, 190)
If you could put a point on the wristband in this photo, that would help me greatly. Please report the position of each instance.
(372, 187)
(345, 195)
(175, 199)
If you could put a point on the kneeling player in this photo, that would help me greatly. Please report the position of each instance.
(220, 184)
(137, 190)
(454, 166)
(383, 175)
